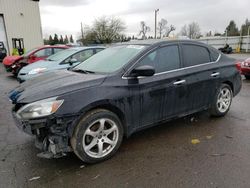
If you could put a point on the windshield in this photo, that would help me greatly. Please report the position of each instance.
(59, 56)
(110, 59)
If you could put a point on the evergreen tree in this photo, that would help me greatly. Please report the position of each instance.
(244, 27)
(232, 29)
(61, 40)
(71, 39)
(56, 40)
(66, 40)
(51, 41)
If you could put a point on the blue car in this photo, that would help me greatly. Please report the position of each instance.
(61, 60)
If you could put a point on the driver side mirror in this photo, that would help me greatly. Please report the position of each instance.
(72, 61)
(144, 70)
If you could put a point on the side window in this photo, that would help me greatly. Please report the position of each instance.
(83, 55)
(195, 55)
(214, 54)
(44, 52)
(98, 50)
(163, 59)
(58, 50)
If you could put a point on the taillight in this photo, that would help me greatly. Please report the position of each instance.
(238, 66)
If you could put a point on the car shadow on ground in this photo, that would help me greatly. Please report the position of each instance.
(139, 138)
(133, 151)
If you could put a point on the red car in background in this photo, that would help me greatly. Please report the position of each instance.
(245, 68)
(15, 63)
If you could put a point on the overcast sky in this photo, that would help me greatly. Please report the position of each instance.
(65, 16)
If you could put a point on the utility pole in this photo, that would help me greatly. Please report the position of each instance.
(226, 37)
(157, 10)
(82, 33)
(248, 33)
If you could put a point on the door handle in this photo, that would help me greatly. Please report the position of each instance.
(215, 74)
(179, 82)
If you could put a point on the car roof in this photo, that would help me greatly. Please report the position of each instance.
(51, 46)
(86, 47)
(151, 42)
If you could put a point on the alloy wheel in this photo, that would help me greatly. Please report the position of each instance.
(224, 99)
(100, 138)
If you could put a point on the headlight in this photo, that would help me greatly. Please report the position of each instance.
(245, 64)
(37, 70)
(40, 108)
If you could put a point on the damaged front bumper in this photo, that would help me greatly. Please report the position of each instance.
(52, 134)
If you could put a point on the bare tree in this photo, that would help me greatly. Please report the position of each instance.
(164, 29)
(169, 30)
(191, 30)
(184, 31)
(144, 29)
(107, 29)
(162, 26)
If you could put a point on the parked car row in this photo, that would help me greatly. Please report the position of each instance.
(47, 58)
(90, 107)
(15, 63)
(61, 60)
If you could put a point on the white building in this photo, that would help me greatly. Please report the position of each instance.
(20, 22)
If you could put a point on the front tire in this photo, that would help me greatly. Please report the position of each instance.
(97, 136)
(222, 101)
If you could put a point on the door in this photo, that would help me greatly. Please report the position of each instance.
(163, 95)
(202, 75)
(40, 55)
(18, 46)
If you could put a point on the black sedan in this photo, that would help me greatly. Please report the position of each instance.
(121, 90)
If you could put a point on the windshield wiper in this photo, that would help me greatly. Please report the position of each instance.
(83, 71)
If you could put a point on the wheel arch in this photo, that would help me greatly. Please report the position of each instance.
(107, 105)
(230, 84)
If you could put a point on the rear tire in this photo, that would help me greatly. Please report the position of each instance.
(97, 136)
(247, 77)
(222, 101)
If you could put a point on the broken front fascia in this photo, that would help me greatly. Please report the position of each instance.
(52, 134)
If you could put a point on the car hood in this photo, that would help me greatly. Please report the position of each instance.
(53, 84)
(38, 64)
(9, 60)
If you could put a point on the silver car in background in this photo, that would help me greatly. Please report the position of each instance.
(61, 60)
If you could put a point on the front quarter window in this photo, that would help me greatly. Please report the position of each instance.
(110, 59)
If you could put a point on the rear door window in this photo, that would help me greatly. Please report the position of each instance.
(195, 55)
(163, 59)
(214, 54)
